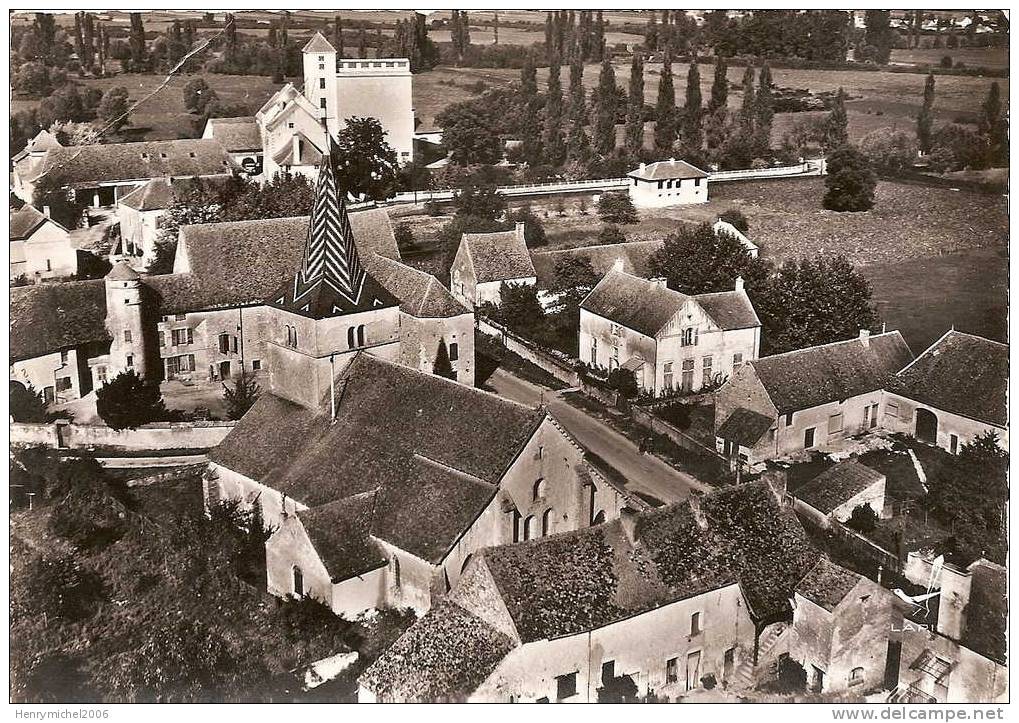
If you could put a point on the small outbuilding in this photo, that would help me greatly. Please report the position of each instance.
(840, 489)
(668, 183)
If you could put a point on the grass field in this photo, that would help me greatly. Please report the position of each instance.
(972, 57)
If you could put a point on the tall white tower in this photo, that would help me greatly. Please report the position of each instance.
(320, 79)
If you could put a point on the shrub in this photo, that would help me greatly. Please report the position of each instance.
(864, 519)
(432, 208)
(617, 208)
(534, 231)
(127, 402)
(737, 219)
(946, 61)
(26, 403)
(850, 182)
(611, 234)
(242, 396)
(59, 587)
(404, 234)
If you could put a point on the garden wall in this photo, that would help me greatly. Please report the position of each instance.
(156, 436)
(645, 417)
(562, 369)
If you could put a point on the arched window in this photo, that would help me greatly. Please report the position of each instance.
(539, 489)
(396, 571)
(360, 335)
(529, 528)
(350, 337)
(599, 518)
(298, 582)
(295, 337)
(546, 522)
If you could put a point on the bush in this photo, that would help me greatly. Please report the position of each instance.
(864, 519)
(432, 208)
(850, 182)
(611, 234)
(26, 403)
(534, 231)
(60, 587)
(404, 234)
(946, 61)
(127, 402)
(617, 208)
(735, 217)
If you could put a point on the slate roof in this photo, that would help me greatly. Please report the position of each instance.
(639, 304)
(837, 485)
(634, 256)
(816, 375)
(578, 581)
(43, 141)
(420, 294)
(26, 220)
(663, 170)
(729, 309)
(498, 256)
(445, 656)
(154, 195)
(311, 154)
(340, 534)
(46, 318)
(962, 374)
(83, 165)
(237, 134)
(318, 44)
(827, 584)
(323, 301)
(744, 426)
(395, 429)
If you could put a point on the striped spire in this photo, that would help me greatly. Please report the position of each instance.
(330, 256)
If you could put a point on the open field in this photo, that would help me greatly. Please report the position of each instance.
(972, 57)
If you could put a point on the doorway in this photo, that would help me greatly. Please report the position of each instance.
(816, 679)
(224, 370)
(926, 426)
(728, 663)
(693, 670)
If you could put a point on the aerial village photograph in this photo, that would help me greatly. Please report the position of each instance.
(509, 356)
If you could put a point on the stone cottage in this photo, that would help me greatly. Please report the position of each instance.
(836, 492)
(40, 248)
(486, 261)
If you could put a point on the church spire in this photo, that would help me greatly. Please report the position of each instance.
(330, 256)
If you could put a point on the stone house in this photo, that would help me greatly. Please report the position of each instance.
(842, 622)
(953, 392)
(840, 489)
(140, 214)
(292, 136)
(241, 138)
(667, 183)
(40, 248)
(665, 601)
(669, 340)
(486, 261)
(812, 398)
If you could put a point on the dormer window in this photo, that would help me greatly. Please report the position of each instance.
(162, 155)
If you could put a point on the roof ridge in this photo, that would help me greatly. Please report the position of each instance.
(821, 346)
(466, 475)
(578, 249)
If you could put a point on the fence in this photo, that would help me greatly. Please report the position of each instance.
(562, 369)
(807, 168)
(526, 189)
(156, 436)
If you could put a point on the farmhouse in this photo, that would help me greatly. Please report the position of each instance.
(40, 247)
(952, 393)
(667, 183)
(840, 489)
(486, 261)
(669, 600)
(841, 626)
(667, 339)
(241, 138)
(813, 398)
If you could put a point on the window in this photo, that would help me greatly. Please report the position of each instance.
(538, 490)
(808, 438)
(233, 344)
(350, 337)
(954, 444)
(130, 361)
(454, 351)
(608, 671)
(298, 582)
(529, 528)
(835, 423)
(290, 126)
(182, 336)
(594, 350)
(63, 384)
(566, 686)
(63, 357)
(101, 374)
(396, 572)
(856, 676)
(162, 338)
(321, 58)
(321, 66)
(615, 329)
(546, 522)
(671, 670)
(892, 410)
(737, 358)
(295, 337)
(788, 419)
(687, 382)
(695, 623)
(697, 182)
(667, 375)
(706, 373)
(360, 335)
(180, 317)
(322, 103)
(224, 343)
(688, 337)
(321, 83)
(256, 364)
(127, 336)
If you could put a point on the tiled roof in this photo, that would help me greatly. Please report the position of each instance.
(310, 154)
(817, 375)
(498, 256)
(318, 44)
(577, 581)
(340, 533)
(388, 418)
(420, 294)
(26, 220)
(827, 584)
(151, 196)
(43, 141)
(837, 485)
(80, 165)
(638, 304)
(633, 256)
(445, 656)
(962, 374)
(46, 318)
(237, 134)
(663, 170)
(729, 309)
(744, 426)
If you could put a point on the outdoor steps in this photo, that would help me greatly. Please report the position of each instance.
(744, 676)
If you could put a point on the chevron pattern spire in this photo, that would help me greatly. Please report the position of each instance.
(330, 256)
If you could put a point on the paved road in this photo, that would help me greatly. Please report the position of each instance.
(644, 472)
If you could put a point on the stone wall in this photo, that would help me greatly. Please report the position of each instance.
(563, 369)
(156, 436)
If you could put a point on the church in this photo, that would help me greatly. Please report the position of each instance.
(381, 481)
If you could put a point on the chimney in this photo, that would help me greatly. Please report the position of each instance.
(865, 337)
(672, 160)
(46, 211)
(660, 281)
(520, 229)
(642, 166)
(618, 265)
(777, 484)
(296, 148)
(739, 283)
(629, 518)
(695, 507)
(955, 590)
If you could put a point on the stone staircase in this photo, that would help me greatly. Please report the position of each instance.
(743, 678)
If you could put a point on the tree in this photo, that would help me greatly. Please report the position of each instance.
(366, 165)
(811, 302)
(197, 95)
(531, 129)
(136, 40)
(32, 79)
(696, 260)
(605, 119)
(850, 182)
(127, 401)
(735, 217)
(836, 132)
(114, 107)
(956, 147)
(91, 510)
(70, 133)
(338, 35)
(51, 190)
(56, 586)
(925, 120)
(888, 150)
(242, 396)
(764, 105)
(617, 208)
(554, 145)
(534, 230)
(748, 107)
(443, 366)
(470, 134)
(719, 86)
(611, 234)
(634, 131)
(26, 403)
(665, 110)
(693, 138)
(994, 127)
(863, 519)
(879, 33)
(479, 202)
(578, 145)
